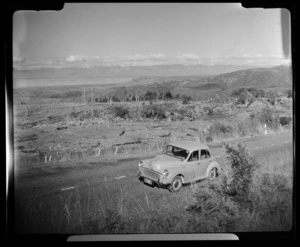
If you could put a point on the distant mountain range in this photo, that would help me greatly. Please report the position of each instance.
(201, 81)
(276, 78)
(128, 71)
(280, 76)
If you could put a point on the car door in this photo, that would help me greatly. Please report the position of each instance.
(192, 166)
(205, 159)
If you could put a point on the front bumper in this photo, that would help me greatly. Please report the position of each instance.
(153, 182)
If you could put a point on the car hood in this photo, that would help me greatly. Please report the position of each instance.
(162, 162)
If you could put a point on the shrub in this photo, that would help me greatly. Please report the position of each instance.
(211, 199)
(120, 111)
(267, 116)
(186, 99)
(242, 167)
(150, 95)
(242, 98)
(254, 92)
(285, 120)
(103, 100)
(115, 99)
(208, 138)
(152, 111)
(237, 92)
(210, 112)
(220, 128)
(168, 95)
(271, 95)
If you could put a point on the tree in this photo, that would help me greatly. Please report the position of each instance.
(168, 95)
(254, 92)
(242, 98)
(271, 97)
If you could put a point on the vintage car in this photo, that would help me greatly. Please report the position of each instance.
(181, 162)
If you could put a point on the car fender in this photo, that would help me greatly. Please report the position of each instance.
(172, 174)
(213, 164)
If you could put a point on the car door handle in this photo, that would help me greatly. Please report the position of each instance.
(198, 163)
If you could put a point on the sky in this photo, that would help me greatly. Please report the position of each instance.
(89, 34)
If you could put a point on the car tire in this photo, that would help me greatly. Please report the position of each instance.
(176, 184)
(212, 174)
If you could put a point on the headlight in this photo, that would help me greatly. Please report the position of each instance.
(165, 173)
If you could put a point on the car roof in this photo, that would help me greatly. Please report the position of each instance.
(189, 145)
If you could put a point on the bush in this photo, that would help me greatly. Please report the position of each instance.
(211, 200)
(268, 117)
(271, 95)
(242, 167)
(115, 99)
(208, 139)
(186, 99)
(150, 95)
(285, 120)
(168, 95)
(120, 111)
(152, 111)
(242, 98)
(237, 92)
(220, 128)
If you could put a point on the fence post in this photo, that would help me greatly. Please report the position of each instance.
(98, 154)
(45, 159)
(116, 150)
(265, 129)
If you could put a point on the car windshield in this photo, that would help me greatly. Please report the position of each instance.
(176, 152)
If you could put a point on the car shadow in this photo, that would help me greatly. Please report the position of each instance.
(195, 182)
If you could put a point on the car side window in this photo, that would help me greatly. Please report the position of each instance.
(194, 156)
(204, 154)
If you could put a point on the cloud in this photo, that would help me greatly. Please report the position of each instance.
(75, 58)
(153, 59)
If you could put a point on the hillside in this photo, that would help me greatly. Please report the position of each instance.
(279, 76)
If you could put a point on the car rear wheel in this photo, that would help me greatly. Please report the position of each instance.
(176, 184)
(212, 174)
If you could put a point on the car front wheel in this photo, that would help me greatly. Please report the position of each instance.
(176, 184)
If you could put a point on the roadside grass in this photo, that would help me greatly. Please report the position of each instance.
(198, 207)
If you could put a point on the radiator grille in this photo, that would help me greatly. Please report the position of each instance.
(151, 174)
